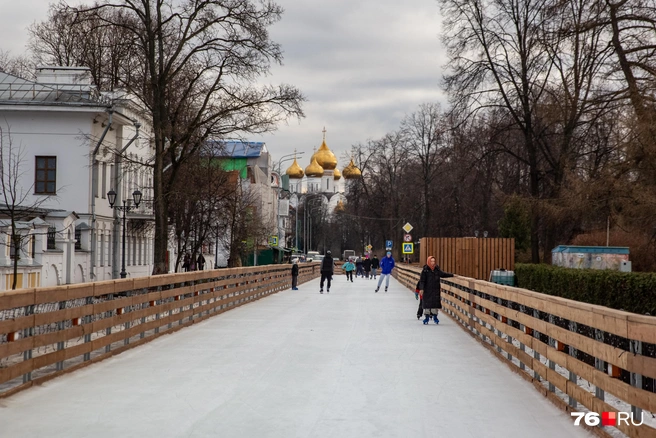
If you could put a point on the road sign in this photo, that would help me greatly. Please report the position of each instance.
(388, 244)
(407, 238)
(273, 240)
(407, 227)
(408, 248)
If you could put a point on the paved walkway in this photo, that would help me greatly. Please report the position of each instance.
(352, 363)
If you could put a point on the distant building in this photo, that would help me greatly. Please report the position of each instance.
(321, 180)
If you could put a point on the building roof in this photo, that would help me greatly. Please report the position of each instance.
(237, 149)
(18, 91)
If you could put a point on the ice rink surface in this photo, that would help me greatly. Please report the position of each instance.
(349, 364)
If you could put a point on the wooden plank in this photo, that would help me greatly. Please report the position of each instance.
(16, 347)
(641, 327)
(16, 370)
(16, 298)
(17, 324)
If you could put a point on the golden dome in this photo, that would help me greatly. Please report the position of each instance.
(337, 175)
(351, 171)
(314, 170)
(340, 206)
(295, 171)
(325, 157)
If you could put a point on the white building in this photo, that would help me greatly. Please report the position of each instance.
(75, 145)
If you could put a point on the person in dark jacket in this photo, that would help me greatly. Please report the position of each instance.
(327, 267)
(366, 265)
(429, 285)
(420, 310)
(358, 268)
(375, 265)
(294, 275)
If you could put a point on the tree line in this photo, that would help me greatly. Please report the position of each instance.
(548, 135)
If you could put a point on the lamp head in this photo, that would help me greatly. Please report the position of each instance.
(111, 197)
(136, 197)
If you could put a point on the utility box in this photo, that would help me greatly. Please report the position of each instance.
(625, 266)
(501, 276)
(590, 257)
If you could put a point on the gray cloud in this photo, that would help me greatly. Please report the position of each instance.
(363, 65)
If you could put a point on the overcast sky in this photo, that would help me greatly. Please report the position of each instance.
(362, 64)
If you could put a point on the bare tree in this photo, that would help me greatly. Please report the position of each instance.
(194, 66)
(17, 205)
(423, 133)
(241, 223)
(498, 60)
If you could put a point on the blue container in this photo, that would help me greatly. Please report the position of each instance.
(501, 276)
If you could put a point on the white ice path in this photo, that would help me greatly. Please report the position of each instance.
(349, 364)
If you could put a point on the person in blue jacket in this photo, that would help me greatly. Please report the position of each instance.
(386, 266)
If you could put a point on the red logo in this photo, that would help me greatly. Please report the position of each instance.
(608, 418)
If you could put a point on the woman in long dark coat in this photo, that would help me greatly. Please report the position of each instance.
(429, 283)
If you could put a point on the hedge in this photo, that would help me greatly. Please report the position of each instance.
(629, 291)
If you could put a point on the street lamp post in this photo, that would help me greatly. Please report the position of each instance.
(307, 203)
(125, 208)
(216, 248)
(286, 158)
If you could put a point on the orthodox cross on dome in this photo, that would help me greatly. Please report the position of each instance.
(324, 133)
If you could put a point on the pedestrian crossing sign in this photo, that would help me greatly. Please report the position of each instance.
(408, 248)
(273, 240)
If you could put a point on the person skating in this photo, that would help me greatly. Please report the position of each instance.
(358, 267)
(327, 266)
(375, 265)
(386, 266)
(294, 274)
(349, 267)
(420, 310)
(431, 290)
(366, 265)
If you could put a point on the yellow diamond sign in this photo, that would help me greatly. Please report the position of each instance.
(407, 227)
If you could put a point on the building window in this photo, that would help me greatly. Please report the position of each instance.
(12, 247)
(104, 180)
(78, 239)
(46, 176)
(51, 238)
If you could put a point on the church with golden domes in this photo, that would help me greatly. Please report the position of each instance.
(320, 180)
(322, 174)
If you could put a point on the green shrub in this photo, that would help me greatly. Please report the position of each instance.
(630, 291)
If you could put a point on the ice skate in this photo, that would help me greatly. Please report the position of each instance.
(437, 321)
(320, 291)
(426, 319)
(376, 290)
(385, 289)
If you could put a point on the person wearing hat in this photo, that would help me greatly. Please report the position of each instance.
(327, 267)
(386, 266)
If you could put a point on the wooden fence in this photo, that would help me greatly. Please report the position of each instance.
(581, 356)
(46, 332)
(468, 256)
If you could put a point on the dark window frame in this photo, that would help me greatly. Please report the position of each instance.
(45, 182)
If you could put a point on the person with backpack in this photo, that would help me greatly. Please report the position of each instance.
(327, 270)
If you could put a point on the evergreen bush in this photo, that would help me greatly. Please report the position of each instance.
(629, 291)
